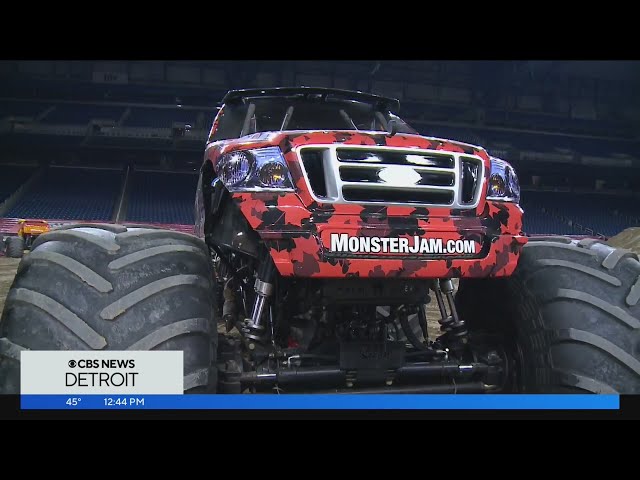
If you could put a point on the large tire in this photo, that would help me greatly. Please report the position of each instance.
(108, 287)
(570, 315)
(15, 247)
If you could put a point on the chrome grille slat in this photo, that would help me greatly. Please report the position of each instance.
(334, 183)
(417, 168)
(386, 186)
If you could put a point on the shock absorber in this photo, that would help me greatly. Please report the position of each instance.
(452, 325)
(253, 327)
(228, 306)
(445, 320)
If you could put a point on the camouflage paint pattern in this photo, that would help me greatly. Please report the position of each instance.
(296, 228)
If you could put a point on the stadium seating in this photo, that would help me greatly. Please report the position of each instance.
(71, 194)
(168, 197)
(537, 222)
(162, 197)
(604, 214)
(21, 108)
(81, 114)
(11, 178)
(531, 141)
(159, 117)
(419, 114)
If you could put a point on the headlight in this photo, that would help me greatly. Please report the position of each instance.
(503, 182)
(234, 169)
(254, 170)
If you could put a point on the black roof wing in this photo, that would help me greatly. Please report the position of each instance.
(392, 104)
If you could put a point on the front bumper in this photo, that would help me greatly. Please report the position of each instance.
(299, 239)
(306, 257)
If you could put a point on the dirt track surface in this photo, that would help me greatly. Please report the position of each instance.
(8, 267)
(629, 239)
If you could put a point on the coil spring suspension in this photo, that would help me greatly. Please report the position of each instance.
(453, 327)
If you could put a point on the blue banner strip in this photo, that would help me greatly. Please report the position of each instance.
(320, 402)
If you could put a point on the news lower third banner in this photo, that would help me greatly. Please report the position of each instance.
(106, 372)
(154, 380)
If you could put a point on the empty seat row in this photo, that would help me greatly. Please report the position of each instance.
(160, 117)
(605, 214)
(81, 114)
(160, 197)
(71, 194)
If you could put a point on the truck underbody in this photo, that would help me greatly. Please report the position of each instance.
(335, 337)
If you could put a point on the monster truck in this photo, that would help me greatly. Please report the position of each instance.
(325, 225)
(28, 231)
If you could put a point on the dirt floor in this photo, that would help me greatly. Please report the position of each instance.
(629, 239)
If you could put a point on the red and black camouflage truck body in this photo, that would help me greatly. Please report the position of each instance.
(366, 203)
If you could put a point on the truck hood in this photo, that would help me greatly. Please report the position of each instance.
(287, 140)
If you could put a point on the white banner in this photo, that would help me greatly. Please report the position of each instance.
(110, 372)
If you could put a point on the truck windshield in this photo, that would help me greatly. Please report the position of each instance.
(269, 114)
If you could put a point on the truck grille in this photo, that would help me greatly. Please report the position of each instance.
(387, 175)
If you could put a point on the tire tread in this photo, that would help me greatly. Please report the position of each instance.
(573, 309)
(120, 277)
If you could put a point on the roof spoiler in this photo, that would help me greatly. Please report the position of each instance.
(233, 96)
